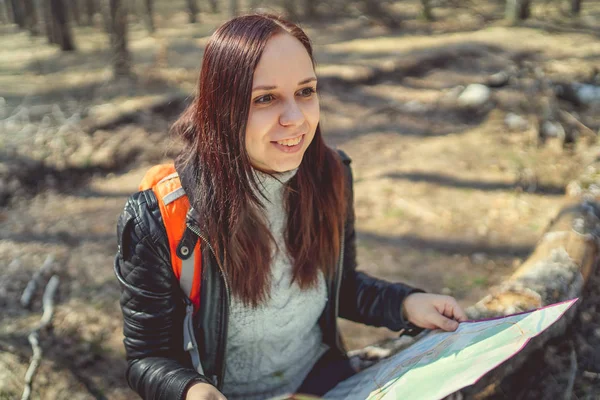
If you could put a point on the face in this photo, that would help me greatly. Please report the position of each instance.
(284, 109)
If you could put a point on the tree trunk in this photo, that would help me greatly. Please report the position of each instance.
(575, 7)
(214, 6)
(90, 10)
(192, 6)
(31, 20)
(564, 260)
(290, 9)
(75, 11)
(60, 25)
(375, 9)
(118, 38)
(233, 8)
(18, 13)
(310, 9)
(49, 27)
(426, 10)
(518, 10)
(4, 13)
(149, 15)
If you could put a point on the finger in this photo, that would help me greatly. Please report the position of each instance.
(451, 309)
(459, 313)
(442, 322)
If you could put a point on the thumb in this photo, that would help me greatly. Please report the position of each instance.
(444, 323)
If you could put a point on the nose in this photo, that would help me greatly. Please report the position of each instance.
(292, 115)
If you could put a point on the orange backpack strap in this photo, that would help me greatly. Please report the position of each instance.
(186, 262)
(174, 205)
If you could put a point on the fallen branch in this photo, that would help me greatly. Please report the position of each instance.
(571, 119)
(48, 306)
(36, 281)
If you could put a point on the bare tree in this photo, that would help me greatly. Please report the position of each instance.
(4, 12)
(75, 11)
(518, 10)
(290, 9)
(18, 13)
(233, 7)
(149, 15)
(60, 29)
(118, 38)
(192, 7)
(310, 8)
(576, 6)
(426, 10)
(375, 9)
(31, 20)
(90, 10)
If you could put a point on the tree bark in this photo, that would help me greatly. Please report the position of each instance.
(576, 7)
(90, 10)
(18, 13)
(518, 10)
(60, 25)
(4, 18)
(290, 9)
(310, 9)
(192, 6)
(149, 15)
(565, 259)
(75, 11)
(233, 8)
(31, 20)
(426, 10)
(118, 38)
(375, 9)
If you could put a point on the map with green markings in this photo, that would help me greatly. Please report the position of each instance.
(442, 363)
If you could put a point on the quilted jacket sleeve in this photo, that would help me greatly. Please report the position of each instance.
(363, 298)
(152, 307)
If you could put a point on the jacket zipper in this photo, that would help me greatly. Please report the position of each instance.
(337, 292)
(227, 290)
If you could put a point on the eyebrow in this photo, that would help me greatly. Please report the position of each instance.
(264, 87)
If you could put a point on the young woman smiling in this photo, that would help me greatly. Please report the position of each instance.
(272, 208)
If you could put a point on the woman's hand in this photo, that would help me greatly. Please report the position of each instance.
(204, 391)
(431, 311)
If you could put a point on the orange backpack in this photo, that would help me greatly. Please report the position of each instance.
(174, 205)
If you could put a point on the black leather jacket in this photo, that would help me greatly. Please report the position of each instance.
(153, 304)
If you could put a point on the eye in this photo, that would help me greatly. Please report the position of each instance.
(307, 92)
(266, 99)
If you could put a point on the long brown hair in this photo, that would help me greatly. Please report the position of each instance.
(232, 216)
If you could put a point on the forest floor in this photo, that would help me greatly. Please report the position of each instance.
(447, 199)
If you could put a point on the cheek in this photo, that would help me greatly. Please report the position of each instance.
(312, 113)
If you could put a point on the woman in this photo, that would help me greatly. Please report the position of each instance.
(272, 209)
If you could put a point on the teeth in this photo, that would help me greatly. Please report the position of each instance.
(290, 142)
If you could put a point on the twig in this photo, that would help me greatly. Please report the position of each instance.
(48, 305)
(35, 281)
(570, 118)
(572, 375)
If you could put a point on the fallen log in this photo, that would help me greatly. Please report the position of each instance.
(562, 262)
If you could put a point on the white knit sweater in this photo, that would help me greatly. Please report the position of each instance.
(272, 348)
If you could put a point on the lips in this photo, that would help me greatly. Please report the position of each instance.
(290, 145)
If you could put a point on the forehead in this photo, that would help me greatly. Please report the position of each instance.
(284, 61)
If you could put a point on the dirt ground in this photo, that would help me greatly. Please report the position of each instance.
(447, 199)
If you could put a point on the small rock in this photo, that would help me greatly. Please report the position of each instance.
(479, 258)
(475, 95)
(499, 79)
(515, 122)
(552, 129)
(586, 317)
